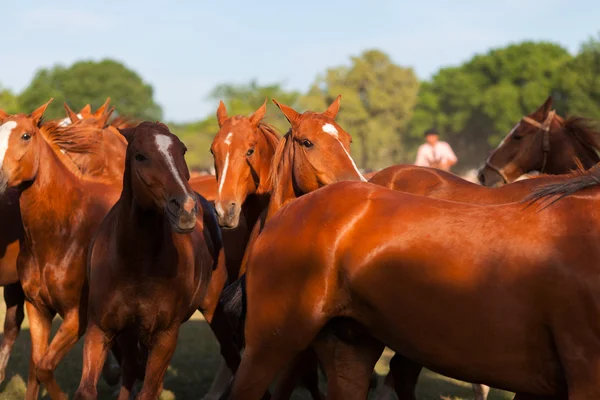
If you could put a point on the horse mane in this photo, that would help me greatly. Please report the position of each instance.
(280, 160)
(79, 137)
(122, 122)
(270, 134)
(585, 130)
(574, 182)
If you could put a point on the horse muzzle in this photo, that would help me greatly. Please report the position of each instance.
(228, 217)
(182, 213)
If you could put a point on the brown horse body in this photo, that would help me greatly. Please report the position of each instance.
(60, 211)
(314, 153)
(102, 162)
(144, 292)
(430, 267)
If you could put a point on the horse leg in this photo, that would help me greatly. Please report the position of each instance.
(348, 363)
(402, 379)
(14, 299)
(481, 391)
(68, 334)
(40, 324)
(267, 353)
(160, 352)
(95, 349)
(304, 369)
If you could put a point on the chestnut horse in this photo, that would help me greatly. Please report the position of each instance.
(171, 259)
(51, 263)
(93, 163)
(539, 142)
(429, 267)
(315, 152)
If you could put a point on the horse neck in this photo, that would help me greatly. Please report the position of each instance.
(284, 190)
(268, 147)
(565, 154)
(55, 190)
(147, 228)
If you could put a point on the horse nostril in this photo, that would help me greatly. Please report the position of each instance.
(232, 207)
(481, 177)
(174, 205)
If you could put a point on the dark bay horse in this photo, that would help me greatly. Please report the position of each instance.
(416, 274)
(51, 263)
(92, 163)
(315, 152)
(543, 142)
(150, 262)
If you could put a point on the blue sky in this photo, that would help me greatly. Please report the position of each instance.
(185, 48)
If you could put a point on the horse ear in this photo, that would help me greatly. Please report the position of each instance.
(221, 113)
(128, 133)
(72, 115)
(86, 110)
(259, 114)
(334, 108)
(103, 120)
(3, 114)
(39, 113)
(545, 108)
(102, 108)
(291, 114)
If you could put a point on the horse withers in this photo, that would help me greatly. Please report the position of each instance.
(149, 264)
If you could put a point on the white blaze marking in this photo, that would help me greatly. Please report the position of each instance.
(5, 131)
(227, 142)
(164, 142)
(329, 128)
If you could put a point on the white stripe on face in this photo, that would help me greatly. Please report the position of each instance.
(330, 129)
(224, 175)
(5, 131)
(164, 142)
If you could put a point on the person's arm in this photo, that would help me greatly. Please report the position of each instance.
(421, 160)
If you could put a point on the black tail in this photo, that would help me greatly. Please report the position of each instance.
(233, 302)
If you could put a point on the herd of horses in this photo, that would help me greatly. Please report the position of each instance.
(298, 261)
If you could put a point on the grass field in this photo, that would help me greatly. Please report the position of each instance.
(192, 369)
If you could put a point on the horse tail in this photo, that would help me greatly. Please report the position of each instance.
(233, 301)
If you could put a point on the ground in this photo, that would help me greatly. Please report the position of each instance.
(192, 368)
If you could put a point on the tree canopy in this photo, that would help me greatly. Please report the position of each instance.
(9, 102)
(475, 105)
(92, 82)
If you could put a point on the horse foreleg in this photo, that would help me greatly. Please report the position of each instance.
(40, 323)
(95, 349)
(68, 334)
(304, 370)
(160, 352)
(130, 367)
(15, 300)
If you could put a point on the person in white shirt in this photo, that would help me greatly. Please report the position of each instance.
(435, 153)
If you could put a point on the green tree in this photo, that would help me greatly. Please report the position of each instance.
(245, 99)
(378, 98)
(578, 88)
(475, 105)
(8, 101)
(91, 82)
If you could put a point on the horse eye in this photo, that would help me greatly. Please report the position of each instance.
(211, 151)
(250, 152)
(517, 137)
(307, 143)
(184, 151)
(140, 157)
(26, 136)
